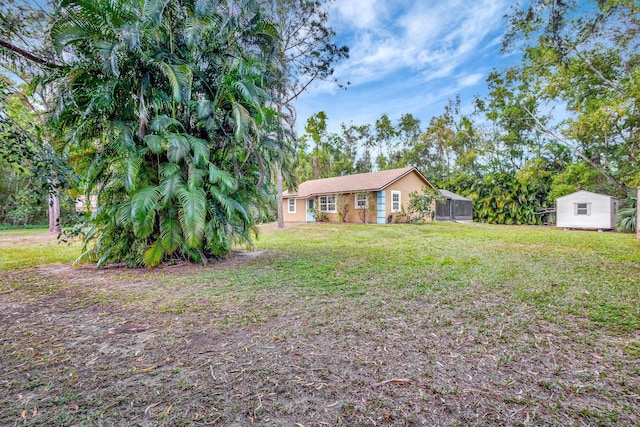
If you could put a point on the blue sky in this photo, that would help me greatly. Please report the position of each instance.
(408, 57)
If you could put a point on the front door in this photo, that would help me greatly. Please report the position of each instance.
(311, 215)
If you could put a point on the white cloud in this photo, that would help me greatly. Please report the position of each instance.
(407, 56)
(435, 37)
(470, 79)
(359, 13)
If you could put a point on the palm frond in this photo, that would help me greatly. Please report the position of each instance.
(222, 178)
(170, 182)
(124, 216)
(143, 210)
(200, 150)
(195, 176)
(156, 143)
(179, 147)
(627, 220)
(108, 51)
(163, 122)
(192, 214)
(153, 11)
(218, 240)
(179, 77)
(171, 235)
(242, 121)
(153, 256)
(132, 168)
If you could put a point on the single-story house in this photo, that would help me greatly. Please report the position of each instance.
(372, 197)
(454, 208)
(584, 209)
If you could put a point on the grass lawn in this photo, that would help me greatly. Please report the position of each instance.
(21, 248)
(434, 324)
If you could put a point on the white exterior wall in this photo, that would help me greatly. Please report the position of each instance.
(602, 211)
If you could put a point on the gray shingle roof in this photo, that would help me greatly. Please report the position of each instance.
(452, 196)
(370, 181)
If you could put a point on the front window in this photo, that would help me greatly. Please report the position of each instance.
(292, 206)
(582, 208)
(395, 201)
(327, 204)
(362, 201)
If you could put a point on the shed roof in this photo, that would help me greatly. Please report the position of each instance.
(585, 193)
(369, 181)
(452, 196)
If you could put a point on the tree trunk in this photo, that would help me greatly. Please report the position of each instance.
(638, 215)
(279, 184)
(54, 213)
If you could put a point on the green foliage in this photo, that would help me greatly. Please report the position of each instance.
(22, 200)
(31, 169)
(627, 217)
(584, 57)
(165, 108)
(627, 220)
(25, 207)
(319, 215)
(421, 205)
(332, 154)
(578, 176)
(504, 198)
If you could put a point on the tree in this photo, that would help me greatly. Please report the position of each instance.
(22, 26)
(333, 154)
(386, 140)
(322, 154)
(27, 55)
(306, 53)
(583, 57)
(450, 146)
(25, 145)
(421, 205)
(166, 109)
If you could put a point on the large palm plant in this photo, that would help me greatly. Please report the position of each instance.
(164, 105)
(627, 217)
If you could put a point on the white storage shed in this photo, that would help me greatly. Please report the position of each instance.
(584, 209)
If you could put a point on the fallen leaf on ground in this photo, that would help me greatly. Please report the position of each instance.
(153, 405)
(393, 381)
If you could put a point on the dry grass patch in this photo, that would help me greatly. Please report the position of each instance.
(439, 324)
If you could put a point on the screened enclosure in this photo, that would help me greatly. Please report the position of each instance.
(455, 208)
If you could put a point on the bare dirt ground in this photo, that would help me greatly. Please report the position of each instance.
(73, 354)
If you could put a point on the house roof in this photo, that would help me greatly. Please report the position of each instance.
(370, 181)
(452, 196)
